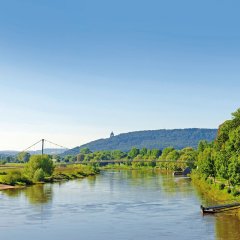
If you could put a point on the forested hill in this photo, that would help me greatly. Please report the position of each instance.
(177, 138)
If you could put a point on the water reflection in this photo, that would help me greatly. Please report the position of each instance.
(37, 194)
(155, 178)
(12, 192)
(227, 226)
(91, 181)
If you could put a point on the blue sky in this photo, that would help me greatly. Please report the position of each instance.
(73, 71)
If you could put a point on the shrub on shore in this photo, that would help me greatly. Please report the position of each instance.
(39, 167)
(15, 177)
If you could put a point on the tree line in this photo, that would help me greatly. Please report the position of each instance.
(221, 159)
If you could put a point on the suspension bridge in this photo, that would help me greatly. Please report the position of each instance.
(43, 144)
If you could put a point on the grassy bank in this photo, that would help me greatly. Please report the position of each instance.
(72, 172)
(14, 175)
(217, 191)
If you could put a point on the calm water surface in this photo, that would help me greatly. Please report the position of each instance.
(113, 205)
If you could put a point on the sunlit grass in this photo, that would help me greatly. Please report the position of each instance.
(61, 171)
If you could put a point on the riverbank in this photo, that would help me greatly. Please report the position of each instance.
(6, 187)
(218, 192)
(11, 178)
(72, 172)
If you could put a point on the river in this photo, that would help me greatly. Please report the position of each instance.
(114, 205)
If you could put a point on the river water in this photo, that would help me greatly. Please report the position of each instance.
(112, 206)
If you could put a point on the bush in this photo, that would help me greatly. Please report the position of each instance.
(14, 178)
(235, 192)
(37, 162)
(229, 190)
(209, 181)
(38, 175)
(222, 186)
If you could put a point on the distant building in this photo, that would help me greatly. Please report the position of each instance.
(111, 135)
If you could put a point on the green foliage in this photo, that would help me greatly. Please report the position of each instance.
(165, 152)
(39, 175)
(234, 170)
(80, 157)
(70, 158)
(235, 192)
(206, 164)
(85, 151)
(23, 157)
(187, 158)
(202, 145)
(117, 154)
(222, 163)
(14, 177)
(133, 152)
(222, 158)
(209, 181)
(166, 155)
(155, 153)
(37, 162)
(74, 171)
(143, 151)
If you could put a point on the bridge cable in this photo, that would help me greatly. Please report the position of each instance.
(29, 147)
(56, 144)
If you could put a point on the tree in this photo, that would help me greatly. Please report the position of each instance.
(233, 144)
(172, 157)
(222, 136)
(117, 154)
(80, 157)
(39, 165)
(234, 171)
(225, 129)
(155, 153)
(222, 160)
(165, 152)
(187, 158)
(143, 151)
(57, 158)
(163, 157)
(38, 175)
(202, 145)
(85, 151)
(23, 157)
(206, 163)
(70, 158)
(133, 152)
